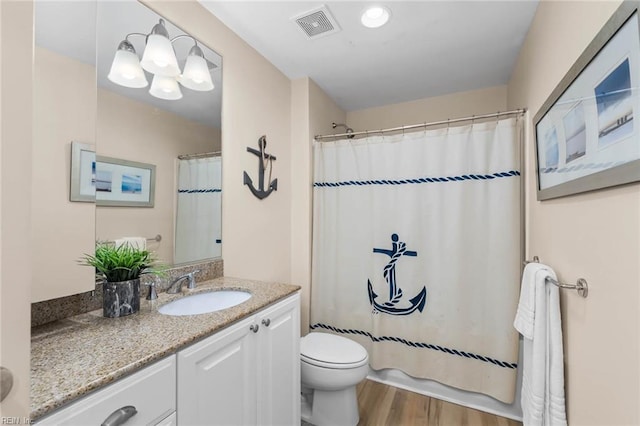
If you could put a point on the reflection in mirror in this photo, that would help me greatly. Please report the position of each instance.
(74, 101)
(154, 110)
(64, 111)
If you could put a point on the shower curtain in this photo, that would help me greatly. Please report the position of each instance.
(417, 251)
(198, 223)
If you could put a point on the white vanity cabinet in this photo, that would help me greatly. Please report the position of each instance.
(246, 374)
(147, 397)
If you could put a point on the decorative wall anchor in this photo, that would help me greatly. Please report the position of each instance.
(264, 159)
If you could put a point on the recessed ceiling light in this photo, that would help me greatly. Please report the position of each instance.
(375, 16)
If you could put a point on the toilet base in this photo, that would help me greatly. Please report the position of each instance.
(330, 408)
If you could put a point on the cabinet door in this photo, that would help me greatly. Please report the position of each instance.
(279, 364)
(144, 398)
(217, 379)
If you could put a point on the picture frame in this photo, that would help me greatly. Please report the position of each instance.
(587, 133)
(123, 183)
(83, 160)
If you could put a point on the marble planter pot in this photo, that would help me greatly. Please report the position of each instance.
(120, 299)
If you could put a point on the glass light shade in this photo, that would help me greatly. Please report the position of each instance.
(165, 88)
(196, 75)
(159, 57)
(375, 17)
(126, 70)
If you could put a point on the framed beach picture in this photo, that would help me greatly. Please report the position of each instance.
(122, 183)
(83, 163)
(587, 132)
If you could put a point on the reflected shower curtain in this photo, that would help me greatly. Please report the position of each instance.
(416, 251)
(198, 223)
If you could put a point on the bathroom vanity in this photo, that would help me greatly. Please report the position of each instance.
(235, 366)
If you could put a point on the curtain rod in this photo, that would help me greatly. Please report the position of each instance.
(203, 155)
(423, 125)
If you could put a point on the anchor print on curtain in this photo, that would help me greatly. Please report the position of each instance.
(416, 251)
(398, 250)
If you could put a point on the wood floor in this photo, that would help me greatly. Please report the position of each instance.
(380, 404)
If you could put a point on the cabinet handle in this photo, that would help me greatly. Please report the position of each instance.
(254, 328)
(120, 416)
(6, 382)
(266, 322)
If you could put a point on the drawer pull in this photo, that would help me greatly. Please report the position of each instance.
(120, 416)
(254, 328)
(266, 322)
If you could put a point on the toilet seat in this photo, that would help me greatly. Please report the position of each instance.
(331, 351)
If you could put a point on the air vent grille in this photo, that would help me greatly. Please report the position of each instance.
(317, 22)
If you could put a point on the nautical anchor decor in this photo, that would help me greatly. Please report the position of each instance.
(398, 249)
(264, 160)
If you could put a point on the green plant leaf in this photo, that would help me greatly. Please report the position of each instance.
(122, 263)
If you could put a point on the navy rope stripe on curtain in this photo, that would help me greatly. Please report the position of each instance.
(417, 345)
(510, 173)
(198, 191)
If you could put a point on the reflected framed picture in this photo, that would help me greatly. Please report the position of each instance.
(587, 133)
(122, 183)
(83, 167)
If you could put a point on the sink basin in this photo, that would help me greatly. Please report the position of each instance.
(203, 303)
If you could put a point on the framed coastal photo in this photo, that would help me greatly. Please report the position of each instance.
(122, 183)
(587, 133)
(83, 162)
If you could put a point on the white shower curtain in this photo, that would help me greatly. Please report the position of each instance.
(416, 251)
(198, 224)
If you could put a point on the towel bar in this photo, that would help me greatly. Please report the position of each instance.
(581, 284)
(157, 238)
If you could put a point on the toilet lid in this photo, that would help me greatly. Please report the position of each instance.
(325, 349)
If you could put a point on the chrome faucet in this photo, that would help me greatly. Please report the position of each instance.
(176, 285)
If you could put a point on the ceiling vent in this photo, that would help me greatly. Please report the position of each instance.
(317, 22)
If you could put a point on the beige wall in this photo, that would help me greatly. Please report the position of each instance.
(594, 235)
(64, 110)
(16, 39)
(312, 114)
(256, 100)
(462, 104)
(136, 131)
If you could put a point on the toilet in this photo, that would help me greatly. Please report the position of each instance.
(330, 368)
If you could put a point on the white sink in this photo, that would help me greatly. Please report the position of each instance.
(203, 303)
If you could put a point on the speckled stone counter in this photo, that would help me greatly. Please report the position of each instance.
(74, 356)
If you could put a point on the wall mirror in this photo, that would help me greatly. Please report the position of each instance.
(176, 130)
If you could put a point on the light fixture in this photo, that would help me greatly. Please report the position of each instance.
(165, 87)
(125, 68)
(159, 59)
(196, 75)
(375, 16)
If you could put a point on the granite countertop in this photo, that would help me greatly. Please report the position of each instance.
(74, 356)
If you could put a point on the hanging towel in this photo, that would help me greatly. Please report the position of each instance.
(139, 243)
(538, 320)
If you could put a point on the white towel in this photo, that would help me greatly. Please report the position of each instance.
(538, 320)
(139, 243)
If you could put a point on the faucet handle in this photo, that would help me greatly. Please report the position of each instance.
(153, 295)
(192, 280)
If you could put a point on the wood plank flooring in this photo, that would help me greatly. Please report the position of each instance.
(382, 405)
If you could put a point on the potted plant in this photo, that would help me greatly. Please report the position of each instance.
(120, 269)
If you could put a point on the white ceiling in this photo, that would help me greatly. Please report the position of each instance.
(428, 48)
(90, 31)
